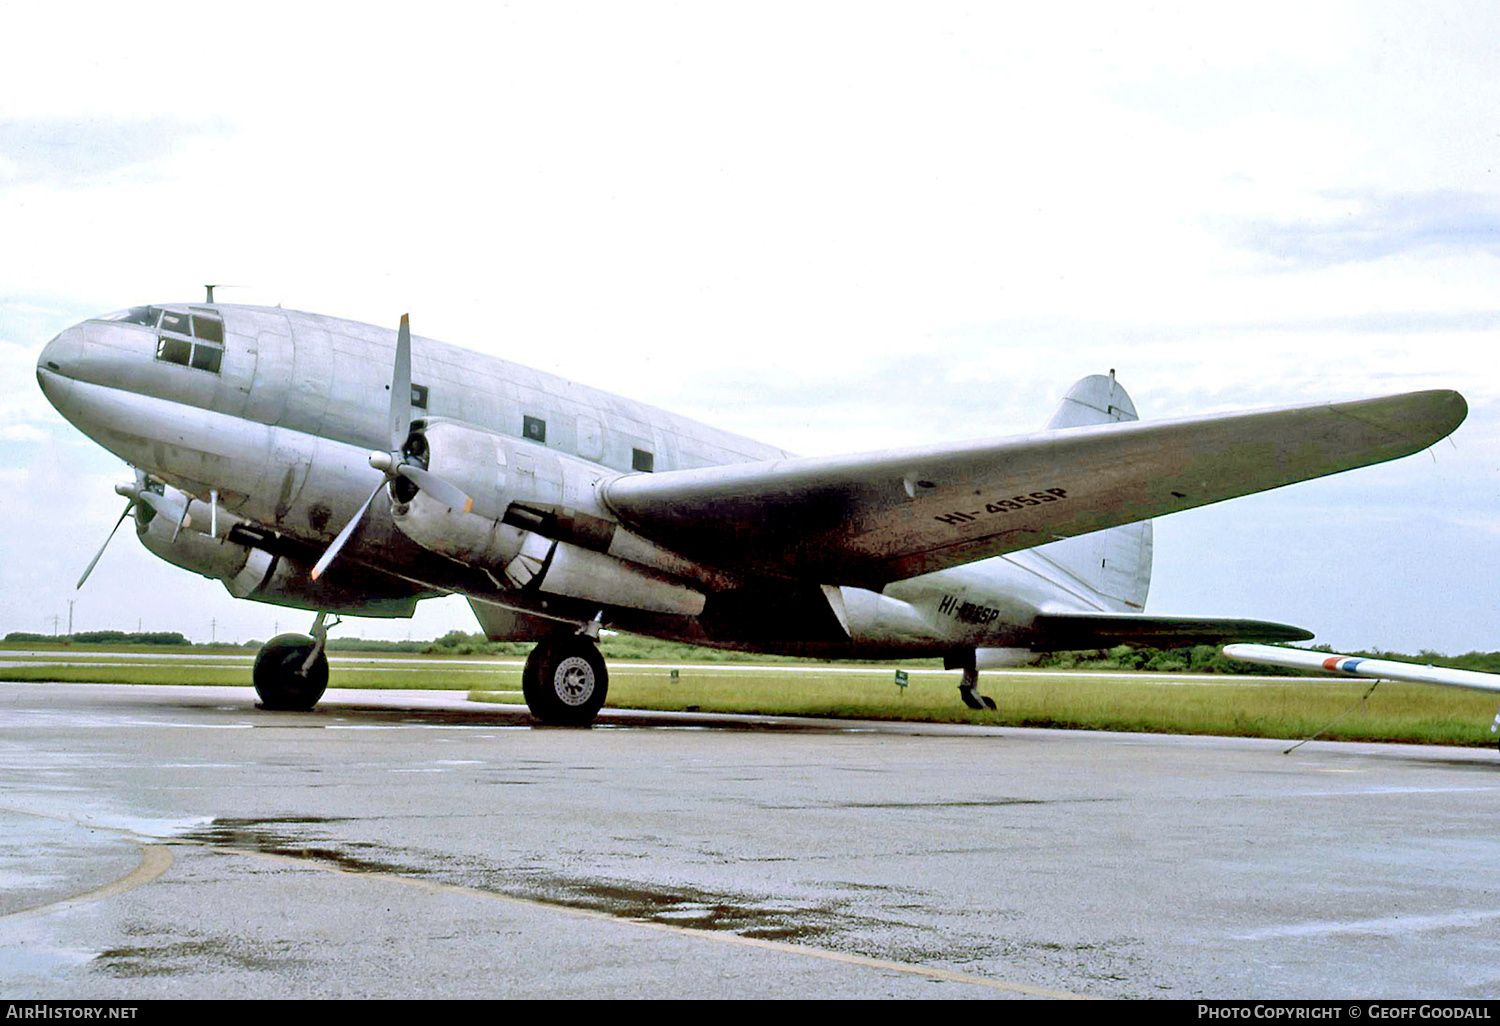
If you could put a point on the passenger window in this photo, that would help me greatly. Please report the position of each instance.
(534, 428)
(419, 396)
(641, 460)
(173, 350)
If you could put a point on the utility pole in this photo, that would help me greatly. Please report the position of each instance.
(70, 621)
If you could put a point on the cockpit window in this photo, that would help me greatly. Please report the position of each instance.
(207, 326)
(146, 315)
(191, 340)
(173, 350)
(207, 357)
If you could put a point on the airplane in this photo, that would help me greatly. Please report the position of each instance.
(262, 438)
(1369, 669)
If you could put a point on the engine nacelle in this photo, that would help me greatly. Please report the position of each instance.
(252, 573)
(536, 522)
(487, 468)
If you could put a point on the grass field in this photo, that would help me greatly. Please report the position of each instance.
(1282, 708)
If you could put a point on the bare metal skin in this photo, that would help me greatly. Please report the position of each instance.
(272, 446)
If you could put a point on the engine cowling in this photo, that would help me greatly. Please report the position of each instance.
(535, 522)
(253, 573)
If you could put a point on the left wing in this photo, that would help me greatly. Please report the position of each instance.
(1354, 666)
(871, 519)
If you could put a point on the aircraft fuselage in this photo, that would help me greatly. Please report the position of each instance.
(275, 413)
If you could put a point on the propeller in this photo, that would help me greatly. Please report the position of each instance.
(405, 464)
(129, 505)
(140, 494)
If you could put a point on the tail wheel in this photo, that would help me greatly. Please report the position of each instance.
(565, 681)
(279, 678)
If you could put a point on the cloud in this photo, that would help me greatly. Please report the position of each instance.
(71, 152)
(1373, 226)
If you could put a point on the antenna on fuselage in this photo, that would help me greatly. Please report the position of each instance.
(210, 290)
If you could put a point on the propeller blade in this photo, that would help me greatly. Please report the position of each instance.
(338, 543)
(130, 505)
(436, 487)
(400, 421)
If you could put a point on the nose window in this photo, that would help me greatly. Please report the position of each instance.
(193, 339)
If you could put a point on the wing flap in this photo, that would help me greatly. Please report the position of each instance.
(870, 519)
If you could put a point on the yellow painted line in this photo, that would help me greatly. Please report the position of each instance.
(723, 937)
(156, 859)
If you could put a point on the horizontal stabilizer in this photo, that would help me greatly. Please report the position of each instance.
(1061, 632)
(870, 519)
(1355, 666)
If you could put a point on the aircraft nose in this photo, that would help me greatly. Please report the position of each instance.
(52, 368)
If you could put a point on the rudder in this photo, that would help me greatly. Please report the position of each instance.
(1115, 563)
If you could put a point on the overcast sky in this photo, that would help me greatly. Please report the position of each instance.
(834, 227)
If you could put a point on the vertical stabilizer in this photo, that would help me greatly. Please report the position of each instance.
(1096, 399)
(1115, 563)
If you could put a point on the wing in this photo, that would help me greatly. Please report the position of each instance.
(1353, 666)
(870, 519)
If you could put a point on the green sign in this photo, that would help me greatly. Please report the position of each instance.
(901, 680)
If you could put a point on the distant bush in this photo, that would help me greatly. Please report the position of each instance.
(107, 637)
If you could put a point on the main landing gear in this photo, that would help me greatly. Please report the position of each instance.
(565, 680)
(291, 670)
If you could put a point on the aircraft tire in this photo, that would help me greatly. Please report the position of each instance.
(565, 681)
(278, 681)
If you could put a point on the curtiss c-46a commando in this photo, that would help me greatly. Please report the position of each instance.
(347, 468)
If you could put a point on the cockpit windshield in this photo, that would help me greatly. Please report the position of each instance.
(192, 338)
(147, 315)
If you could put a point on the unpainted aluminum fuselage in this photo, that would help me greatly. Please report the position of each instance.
(282, 428)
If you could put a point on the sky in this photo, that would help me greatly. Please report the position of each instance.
(834, 227)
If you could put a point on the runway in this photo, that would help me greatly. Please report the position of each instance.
(177, 842)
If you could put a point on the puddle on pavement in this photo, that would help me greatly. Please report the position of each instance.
(298, 837)
(212, 953)
(271, 837)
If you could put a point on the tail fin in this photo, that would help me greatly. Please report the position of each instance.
(1096, 399)
(1115, 563)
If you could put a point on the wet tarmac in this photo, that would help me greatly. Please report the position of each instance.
(178, 842)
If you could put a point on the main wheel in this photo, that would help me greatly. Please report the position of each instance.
(279, 680)
(565, 681)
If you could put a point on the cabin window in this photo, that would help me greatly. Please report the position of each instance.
(419, 396)
(534, 428)
(642, 460)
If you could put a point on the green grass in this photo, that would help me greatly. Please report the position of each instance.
(1294, 708)
(1127, 702)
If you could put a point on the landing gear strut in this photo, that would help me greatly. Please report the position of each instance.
(291, 670)
(968, 687)
(565, 680)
